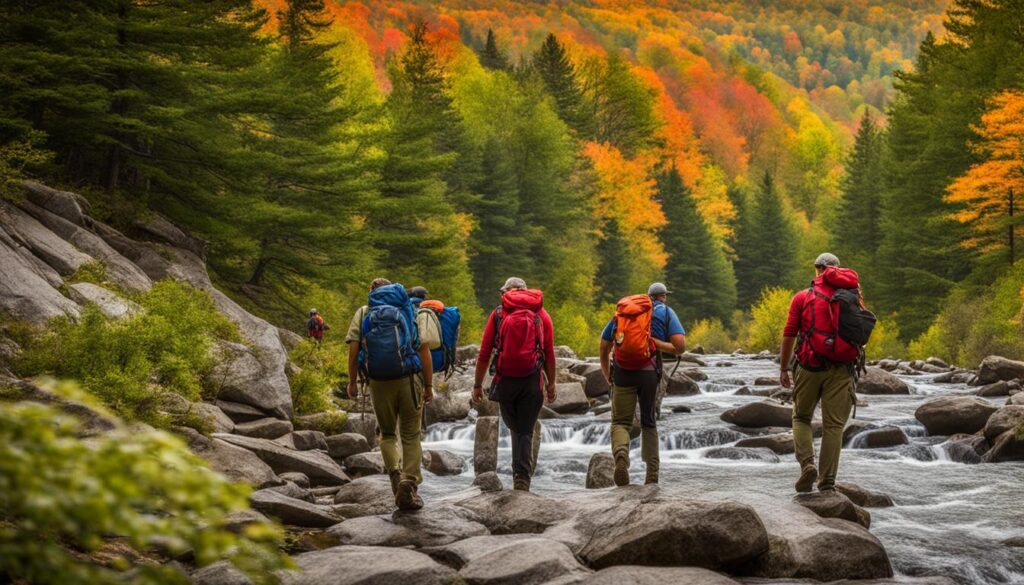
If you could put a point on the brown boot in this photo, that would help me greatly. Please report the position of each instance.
(621, 475)
(407, 498)
(808, 475)
(521, 483)
(396, 477)
(652, 476)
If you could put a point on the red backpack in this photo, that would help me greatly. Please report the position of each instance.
(519, 345)
(821, 339)
(633, 344)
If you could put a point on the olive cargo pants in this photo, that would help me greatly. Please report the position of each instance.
(833, 387)
(398, 406)
(631, 387)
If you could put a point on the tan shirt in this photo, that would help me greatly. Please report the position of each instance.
(426, 323)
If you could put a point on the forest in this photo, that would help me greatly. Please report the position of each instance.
(589, 147)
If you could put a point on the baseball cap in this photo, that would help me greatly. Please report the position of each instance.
(657, 288)
(826, 259)
(513, 282)
(418, 292)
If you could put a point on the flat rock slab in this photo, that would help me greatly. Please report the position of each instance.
(291, 511)
(318, 466)
(530, 561)
(365, 496)
(264, 428)
(238, 464)
(636, 575)
(833, 504)
(457, 554)
(366, 565)
(108, 302)
(432, 526)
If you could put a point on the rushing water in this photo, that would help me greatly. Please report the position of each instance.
(949, 518)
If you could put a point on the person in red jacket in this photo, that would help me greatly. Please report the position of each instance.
(518, 347)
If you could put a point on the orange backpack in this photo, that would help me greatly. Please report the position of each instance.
(633, 344)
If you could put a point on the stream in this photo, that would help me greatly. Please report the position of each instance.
(949, 518)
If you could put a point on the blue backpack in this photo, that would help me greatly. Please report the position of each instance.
(389, 340)
(443, 357)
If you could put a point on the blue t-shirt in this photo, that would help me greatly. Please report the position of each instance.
(664, 317)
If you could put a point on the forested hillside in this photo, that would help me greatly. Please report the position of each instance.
(589, 147)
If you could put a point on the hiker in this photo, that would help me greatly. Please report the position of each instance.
(518, 346)
(417, 295)
(315, 326)
(829, 326)
(643, 327)
(447, 321)
(389, 345)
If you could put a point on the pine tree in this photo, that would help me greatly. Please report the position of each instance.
(856, 228)
(562, 83)
(697, 271)
(765, 245)
(613, 271)
(622, 104)
(492, 56)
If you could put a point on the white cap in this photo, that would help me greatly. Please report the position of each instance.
(514, 283)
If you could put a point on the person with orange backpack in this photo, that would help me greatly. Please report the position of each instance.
(643, 327)
(829, 327)
(315, 326)
(518, 347)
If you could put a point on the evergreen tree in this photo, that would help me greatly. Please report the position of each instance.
(856, 228)
(622, 104)
(766, 244)
(562, 83)
(613, 269)
(697, 270)
(492, 56)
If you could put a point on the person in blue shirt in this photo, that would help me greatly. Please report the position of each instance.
(643, 385)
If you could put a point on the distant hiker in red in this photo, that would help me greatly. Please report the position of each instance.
(315, 326)
(829, 326)
(518, 345)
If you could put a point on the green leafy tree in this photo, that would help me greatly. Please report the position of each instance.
(622, 105)
(856, 228)
(697, 270)
(766, 244)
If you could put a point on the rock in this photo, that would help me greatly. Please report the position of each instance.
(264, 428)
(1002, 420)
(467, 353)
(862, 496)
(343, 445)
(27, 286)
(308, 440)
(964, 448)
(600, 470)
(953, 377)
(680, 384)
(564, 351)
(1009, 446)
(109, 303)
(69, 206)
(291, 511)
(240, 376)
(637, 575)
(681, 408)
(528, 561)
(954, 414)
(1000, 388)
(888, 436)
(213, 416)
(594, 385)
(1017, 399)
(363, 464)
(888, 364)
(485, 445)
(692, 358)
(364, 496)
(742, 453)
(934, 361)
(570, 399)
(511, 511)
(766, 381)
(293, 490)
(878, 381)
(488, 482)
(765, 413)
(447, 406)
(854, 427)
(236, 463)
(695, 374)
(366, 565)
(319, 467)
(434, 525)
(780, 443)
(995, 368)
(157, 228)
(219, 573)
(238, 412)
(297, 478)
(440, 462)
(805, 545)
(1014, 541)
(365, 425)
(832, 504)
(923, 366)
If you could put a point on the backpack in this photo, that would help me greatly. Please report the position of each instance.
(315, 326)
(634, 347)
(389, 340)
(448, 319)
(839, 324)
(519, 344)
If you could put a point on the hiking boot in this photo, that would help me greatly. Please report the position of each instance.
(826, 486)
(396, 477)
(407, 498)
(521, 483)
(621, 468)
(652, 477)
(808, 475)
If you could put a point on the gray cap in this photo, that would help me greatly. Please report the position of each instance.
(419, 292)
(826, 259)
(657, 288)
(312, 311)
(513, 283)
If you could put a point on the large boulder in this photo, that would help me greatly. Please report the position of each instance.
(239, 412)
(344, 445)
(240, 376)
(595, 384)
(964, 448)
(995, 368)
(363, 464)
(1009, 446)
(1000, 388)
(636, 575)
(432, 526)
(364, 496)
(307, 440)
(601, 470)
(236, 463)
(108, 302)
(447, 406)
(834, 504)
(264, 428)
(570, 399)
(219, 573)
(766, 413)
(441, 462)
(366, 565)
(318, 466)
(878, 381)
(1002, 420)
(863, 496)
(888, 436)
(488, 482)
(292, 511)
(780, 443)
(485, 445)
(530, 561)
(365, 424)
(28, 286)
(212, 416)
(511, 511)
(954, 414)
(679, 384)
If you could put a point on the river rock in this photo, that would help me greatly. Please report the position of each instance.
(441, 462)
(513, 511)
(1017, 399)
(888, 436)
(862, 496)
(447, 407)
(264, 428)
(1002, 420)
(600, 471)
(692, 358)
(995, 368)
(318, 466)
(1009, 446)
(878, 381)
(240, 376)
(364, 496)
(363, 464)
(762, 454)
(213, 416)
(695, 374)
(765, 413)
(308, 440)
(366, 565)
(291, 511)
(965, 448)
(238, 412)
(488, 482)
(833, 504)
(766, 381)
(681, 385)
(595, 384)
(953, 377)
(434, 525)
(780, 443)
(219, 573)
(238, 464)
(954, 414)
(529, 561)
(467, 353)
(293, 490)
(297, 478)
(108, 302)
(854, 427)
(365, 424)
(1000, 388)
(570, 399)
(485, 445)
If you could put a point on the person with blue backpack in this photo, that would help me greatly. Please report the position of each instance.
(389, 347)
(447, 320)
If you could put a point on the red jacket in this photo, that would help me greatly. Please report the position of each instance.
(802, 311)
(487, 343)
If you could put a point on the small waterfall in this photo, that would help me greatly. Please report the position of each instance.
(699, 438)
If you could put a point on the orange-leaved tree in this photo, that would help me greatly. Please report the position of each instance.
(990, 192)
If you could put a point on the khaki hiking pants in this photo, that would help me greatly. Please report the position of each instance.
(398, 406)
(630, 388)
(833, 387)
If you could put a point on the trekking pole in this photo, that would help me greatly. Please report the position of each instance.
(679, 361)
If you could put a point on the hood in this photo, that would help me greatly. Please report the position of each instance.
(837, 277)
(531, 299)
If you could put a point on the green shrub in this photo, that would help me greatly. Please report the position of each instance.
(768, 319)
(580, 327)
(94, 272)
(885, 340)
(129, 498)
(130, 363)
(328, 422)
(321, 369)
(711, 335)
